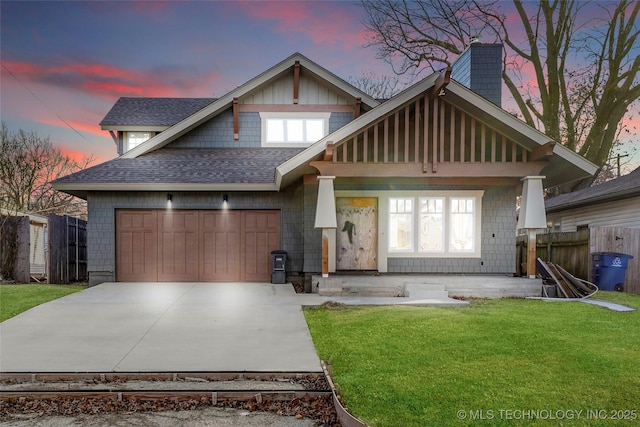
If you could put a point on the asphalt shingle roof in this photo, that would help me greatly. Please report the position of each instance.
(153, 111)
(613, 189)
(195, 165)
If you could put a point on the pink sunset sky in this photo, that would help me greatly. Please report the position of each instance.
(64, 63)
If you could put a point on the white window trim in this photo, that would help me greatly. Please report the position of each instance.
(125, 142)
(289, 116)
(447, 252)
(383, 222)
(445, 221)
(412, 225)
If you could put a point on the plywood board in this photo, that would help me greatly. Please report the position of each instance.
(357, 233)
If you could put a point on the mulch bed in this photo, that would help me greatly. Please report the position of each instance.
(320, 409)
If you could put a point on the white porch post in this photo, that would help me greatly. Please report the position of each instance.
(532, 217)
(326, 217)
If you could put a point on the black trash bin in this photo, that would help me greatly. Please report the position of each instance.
(609, 270)
(278, 266)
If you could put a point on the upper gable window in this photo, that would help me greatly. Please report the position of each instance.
(293, 129)
(133, 139)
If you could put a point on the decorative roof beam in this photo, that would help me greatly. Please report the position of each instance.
(290, 108)
(236, 120)
(356, 108)
(409, 170)
(441, 82)
(114, 137)
(328, 151)
(542, 152)
(296, 81)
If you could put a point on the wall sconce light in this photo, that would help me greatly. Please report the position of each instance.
(225, 198)
(169, 197)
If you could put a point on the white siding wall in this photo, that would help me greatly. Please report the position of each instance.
(619, 213)
(37, 250)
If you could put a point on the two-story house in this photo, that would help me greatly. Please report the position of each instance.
(297, 159)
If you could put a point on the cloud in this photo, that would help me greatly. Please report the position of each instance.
(81, 127)
(327, 23)
(109, 82)
(78, 156)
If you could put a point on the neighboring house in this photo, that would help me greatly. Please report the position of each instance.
(32, 242)
(614, 203)
(611, 212)
(38, 245)
(425, 182)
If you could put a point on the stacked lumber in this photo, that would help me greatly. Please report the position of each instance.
(562, 282)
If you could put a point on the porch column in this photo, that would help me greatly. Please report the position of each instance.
(326, 217)
(532, 217)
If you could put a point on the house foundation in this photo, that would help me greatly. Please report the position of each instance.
(426, 286)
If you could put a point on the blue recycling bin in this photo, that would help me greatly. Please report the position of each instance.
(609, 270)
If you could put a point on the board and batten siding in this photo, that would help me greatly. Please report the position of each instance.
(618, 213)
(310, 92)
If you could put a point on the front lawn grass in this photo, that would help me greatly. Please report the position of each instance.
(14, 299)
(495, 362)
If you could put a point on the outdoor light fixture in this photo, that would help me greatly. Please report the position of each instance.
(169, 197)
(225, 198)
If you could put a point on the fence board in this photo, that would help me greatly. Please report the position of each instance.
(67, 249)
(572, 251)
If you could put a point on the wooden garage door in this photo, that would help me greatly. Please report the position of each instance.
(178, 246)
(137, 246)
(220, 243)
(182, 245)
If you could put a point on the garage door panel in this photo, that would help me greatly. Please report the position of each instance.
(181, 245)
(261, 235)
(137, 246)
(220, 246)
(178, 246)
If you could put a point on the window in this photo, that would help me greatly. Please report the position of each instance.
(462, 225)
(444, 225)
(400, 225)
(133, 139)
(431, 224)
(293, 129)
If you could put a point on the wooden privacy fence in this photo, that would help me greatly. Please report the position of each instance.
(67, 249)
(572, 251)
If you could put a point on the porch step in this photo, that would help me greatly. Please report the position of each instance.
(371, 290)
(425, 290)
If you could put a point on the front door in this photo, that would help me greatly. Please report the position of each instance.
(357, 233)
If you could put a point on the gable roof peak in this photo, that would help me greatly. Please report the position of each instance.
(221, 104)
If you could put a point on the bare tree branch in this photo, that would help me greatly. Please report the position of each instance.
(28, 164)
(585, 69)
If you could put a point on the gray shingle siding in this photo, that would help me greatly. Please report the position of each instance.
(101, 225)
(337, 120)
(312, 236)
(218, 133)
(479, 68)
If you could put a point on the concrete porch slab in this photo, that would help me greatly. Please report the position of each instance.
(471, 286)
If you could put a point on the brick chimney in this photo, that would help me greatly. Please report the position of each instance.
(479, 68)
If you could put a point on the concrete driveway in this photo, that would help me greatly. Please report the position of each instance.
(163, 327)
